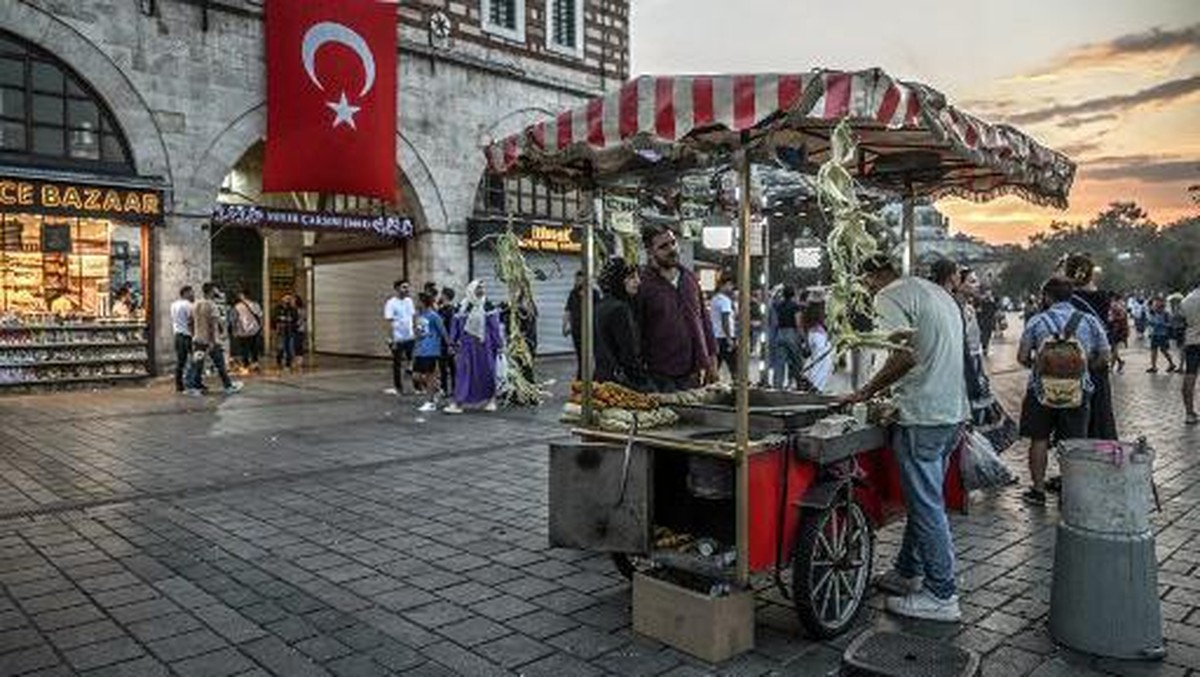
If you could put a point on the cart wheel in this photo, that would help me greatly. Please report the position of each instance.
(831, 568)
(627, 564)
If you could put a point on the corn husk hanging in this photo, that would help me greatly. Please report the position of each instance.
(516, 388)
(849, 245)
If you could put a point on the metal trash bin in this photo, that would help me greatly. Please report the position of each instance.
(877, 653)
(1104, 595)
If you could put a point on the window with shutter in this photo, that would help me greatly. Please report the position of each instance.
(505, 18)
(564, 26)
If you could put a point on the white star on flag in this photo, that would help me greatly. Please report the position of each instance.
(343, 111)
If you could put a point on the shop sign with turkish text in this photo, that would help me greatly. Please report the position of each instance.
(252, 216)
(59, 198)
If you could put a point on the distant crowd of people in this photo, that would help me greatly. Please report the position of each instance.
(204, 325)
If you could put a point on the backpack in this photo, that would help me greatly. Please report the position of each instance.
(246, 324)
(1062, 364)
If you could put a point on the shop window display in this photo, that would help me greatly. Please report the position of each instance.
(73, 300)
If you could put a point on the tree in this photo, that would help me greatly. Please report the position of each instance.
(1132, 252)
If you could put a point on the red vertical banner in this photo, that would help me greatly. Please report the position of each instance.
(331, 97)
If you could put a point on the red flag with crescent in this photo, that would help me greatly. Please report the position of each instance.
(331, 97)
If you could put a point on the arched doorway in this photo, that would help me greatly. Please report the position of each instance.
(343, 276)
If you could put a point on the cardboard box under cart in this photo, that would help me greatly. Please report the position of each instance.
(713, 628)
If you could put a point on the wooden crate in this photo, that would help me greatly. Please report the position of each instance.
(710, 628)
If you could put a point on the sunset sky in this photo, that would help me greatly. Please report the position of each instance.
(1114, 84)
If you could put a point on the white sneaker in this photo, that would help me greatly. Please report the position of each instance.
(452, 409)
(895, 583)
(925, 606)
(490, 406)
(390, 391)
(428, 406)
(235, 387)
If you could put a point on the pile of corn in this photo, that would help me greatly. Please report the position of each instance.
(617, 406)
(607, 395)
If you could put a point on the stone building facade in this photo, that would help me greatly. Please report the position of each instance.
(185, 82)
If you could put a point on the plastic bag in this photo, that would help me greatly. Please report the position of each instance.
(981, 467)
(501, 370)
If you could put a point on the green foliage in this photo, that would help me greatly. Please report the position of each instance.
(1133, 253)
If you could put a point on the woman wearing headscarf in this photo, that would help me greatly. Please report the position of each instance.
(475, 332)
(1081, 271)
(618, 348)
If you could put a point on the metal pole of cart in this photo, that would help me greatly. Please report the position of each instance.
(587, 304)
(909, 230)
(742, 163)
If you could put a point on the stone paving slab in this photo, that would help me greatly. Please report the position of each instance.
(393, 551)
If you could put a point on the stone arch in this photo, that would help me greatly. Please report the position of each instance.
(511, 123)
(249, 128)
(133, 114)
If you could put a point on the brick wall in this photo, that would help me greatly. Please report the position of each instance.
(605, 33)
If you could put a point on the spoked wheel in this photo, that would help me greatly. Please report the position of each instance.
(831, 568)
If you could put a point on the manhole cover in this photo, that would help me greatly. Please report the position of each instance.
(894, 654)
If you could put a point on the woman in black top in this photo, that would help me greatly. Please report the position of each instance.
(1079, 269)
(618, 341)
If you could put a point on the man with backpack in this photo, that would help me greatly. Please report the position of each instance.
(1061, 345)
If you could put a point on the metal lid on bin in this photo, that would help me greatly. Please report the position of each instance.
(1105, 451)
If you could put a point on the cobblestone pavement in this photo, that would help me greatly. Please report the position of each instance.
(313, 526)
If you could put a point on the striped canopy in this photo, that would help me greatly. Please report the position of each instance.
(910, 139)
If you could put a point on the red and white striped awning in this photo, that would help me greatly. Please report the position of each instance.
(687, 120)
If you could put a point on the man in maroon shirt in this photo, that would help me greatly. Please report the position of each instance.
(677, 339)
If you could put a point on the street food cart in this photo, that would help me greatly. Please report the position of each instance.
(748, 483)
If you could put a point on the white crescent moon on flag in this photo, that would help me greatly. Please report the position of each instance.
(328, 31)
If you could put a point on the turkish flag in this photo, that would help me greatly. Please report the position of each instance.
(331, 97)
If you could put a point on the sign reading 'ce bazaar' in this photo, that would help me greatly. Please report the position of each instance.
(139, 205)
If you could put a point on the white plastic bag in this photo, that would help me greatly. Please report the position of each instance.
(981, 467)
(501, 371)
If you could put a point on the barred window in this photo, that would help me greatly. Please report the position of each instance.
(50, 117)
(565, 24)
(505, 18)
(525, 197)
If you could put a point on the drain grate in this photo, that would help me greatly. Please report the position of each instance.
(893, 654)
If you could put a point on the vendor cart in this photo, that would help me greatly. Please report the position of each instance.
(815, 499)
(759, 481)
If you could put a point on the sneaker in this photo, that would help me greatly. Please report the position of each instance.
(1152, 370)
(235, 387)
(1191, 419)
(452, 409)
(390, 391)
(1034, 497)
(427, 407)
(1054, 485)
(194, 392)
(898, 584)
(490, 406)
(924, 605)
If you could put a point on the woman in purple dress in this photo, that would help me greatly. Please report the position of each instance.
(475, 333)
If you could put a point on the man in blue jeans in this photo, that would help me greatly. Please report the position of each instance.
(931, 393)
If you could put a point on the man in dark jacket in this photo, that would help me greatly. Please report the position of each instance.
(678, 345)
